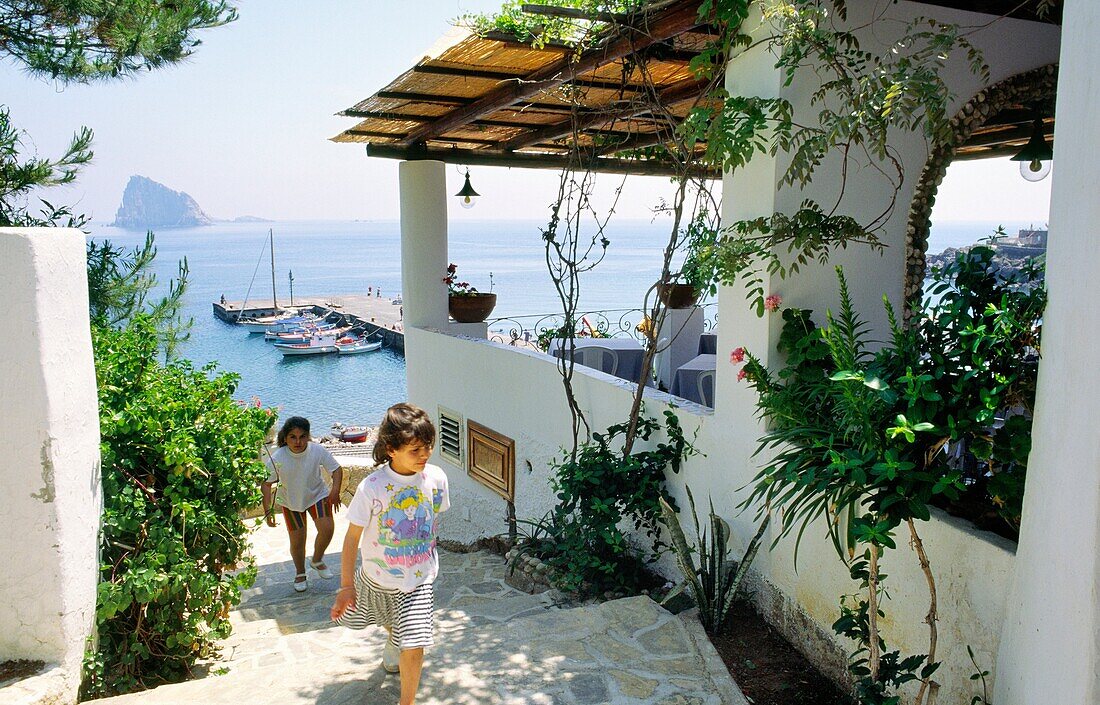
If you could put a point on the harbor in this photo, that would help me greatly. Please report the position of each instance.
(376, 315)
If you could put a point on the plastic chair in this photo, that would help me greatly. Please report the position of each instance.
(704, 384)
(599, 358)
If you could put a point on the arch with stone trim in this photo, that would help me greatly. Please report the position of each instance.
(1030, 86)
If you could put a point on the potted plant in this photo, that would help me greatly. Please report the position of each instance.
(698, 275)
(465, 303)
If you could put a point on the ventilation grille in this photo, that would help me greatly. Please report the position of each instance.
(450, 437)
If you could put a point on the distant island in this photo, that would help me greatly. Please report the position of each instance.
(147, 204)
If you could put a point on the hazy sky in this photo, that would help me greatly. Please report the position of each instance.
(244, 126)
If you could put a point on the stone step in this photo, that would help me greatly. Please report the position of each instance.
(470, 592)
(625, 651)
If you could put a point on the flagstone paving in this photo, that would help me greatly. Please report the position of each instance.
(495, 645)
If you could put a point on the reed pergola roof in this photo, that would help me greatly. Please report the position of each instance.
(494, 100)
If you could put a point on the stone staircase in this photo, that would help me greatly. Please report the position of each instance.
(494, 644)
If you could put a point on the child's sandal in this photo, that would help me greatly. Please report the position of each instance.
(300, 585)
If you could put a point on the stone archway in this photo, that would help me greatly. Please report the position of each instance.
(1031, 86)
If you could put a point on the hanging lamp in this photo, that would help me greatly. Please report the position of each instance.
(467, 194)
(1035, 157)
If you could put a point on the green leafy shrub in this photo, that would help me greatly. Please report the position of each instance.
(598, 492)
(179, 462)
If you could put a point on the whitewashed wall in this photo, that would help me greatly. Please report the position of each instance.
(519, 393)
(49, 472)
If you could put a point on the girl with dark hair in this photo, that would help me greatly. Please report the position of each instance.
(393, 525)
(295, 467)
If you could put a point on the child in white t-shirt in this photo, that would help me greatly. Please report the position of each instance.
(296, 467)
(393, 525)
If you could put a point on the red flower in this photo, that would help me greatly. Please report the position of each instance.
(773, 302)
(742, 374)
(737, 356)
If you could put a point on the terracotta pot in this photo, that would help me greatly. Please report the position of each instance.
(678, 295)
(471, 309)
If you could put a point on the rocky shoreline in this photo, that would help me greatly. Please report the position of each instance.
(1011, 258)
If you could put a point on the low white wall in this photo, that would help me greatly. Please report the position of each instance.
(49, 472)
(519, 394)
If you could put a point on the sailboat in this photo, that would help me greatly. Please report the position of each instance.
(283, 320)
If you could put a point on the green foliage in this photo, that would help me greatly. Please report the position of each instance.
(700, 266)
(120, 283)
(599, 492)
(541, 29)
(715, 582)
(19, 178)
(781, 245)
(81, 40)
(179, 462)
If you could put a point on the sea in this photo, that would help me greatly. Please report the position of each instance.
(331, 258)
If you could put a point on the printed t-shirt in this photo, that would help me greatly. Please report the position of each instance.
(299, 475)
(399, 516)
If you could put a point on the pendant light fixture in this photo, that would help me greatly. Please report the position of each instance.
(1035, 157)
(467, 194)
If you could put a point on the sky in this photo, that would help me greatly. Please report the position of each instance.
(243, 126)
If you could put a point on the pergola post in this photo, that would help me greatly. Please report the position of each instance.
(1050, 646)
(423, 193)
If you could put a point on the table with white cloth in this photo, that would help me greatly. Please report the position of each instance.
(685, 384)
(708, 343)
(628, 350)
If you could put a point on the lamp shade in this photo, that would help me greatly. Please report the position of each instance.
(1035, 156)
(467, 194)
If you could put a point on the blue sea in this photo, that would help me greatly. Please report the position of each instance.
(347, 257)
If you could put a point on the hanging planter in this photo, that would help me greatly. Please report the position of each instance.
(678, 295)
(471, 308)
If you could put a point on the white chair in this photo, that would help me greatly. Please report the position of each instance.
(598, 357)
(704, 384)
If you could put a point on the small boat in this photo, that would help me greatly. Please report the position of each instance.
(317, 345)
(277, 324)
(354, 346)
(303, 335)
(352, 434)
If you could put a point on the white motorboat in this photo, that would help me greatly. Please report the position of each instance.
(318, 345)
(354, 346)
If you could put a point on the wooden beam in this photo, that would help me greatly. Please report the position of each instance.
(485, 157)
(676, 19)
(676, 93)
(407, 117)
(512, 40)
(425, 97)
(1014, 135)
(986, 153)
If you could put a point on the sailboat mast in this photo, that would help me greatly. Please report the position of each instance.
(271, 237)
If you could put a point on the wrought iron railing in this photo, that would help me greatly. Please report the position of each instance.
(536, 330)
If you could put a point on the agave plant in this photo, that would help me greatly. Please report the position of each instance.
(715, 581)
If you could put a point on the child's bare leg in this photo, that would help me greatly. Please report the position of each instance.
(411, 660)
(298, 549)
(325, 529)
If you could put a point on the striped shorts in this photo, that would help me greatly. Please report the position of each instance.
(410, 616)
(296, 521)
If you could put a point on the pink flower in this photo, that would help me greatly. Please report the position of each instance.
(737, 356)
(773, 302)
(742, 374)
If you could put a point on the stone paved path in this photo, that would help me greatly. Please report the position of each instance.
(495, 645)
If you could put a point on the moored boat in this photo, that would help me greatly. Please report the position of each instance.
(303, 334)
(317, 345)
(352, 434)
(354, 346)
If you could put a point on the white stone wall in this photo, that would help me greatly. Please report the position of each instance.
(49, 472)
